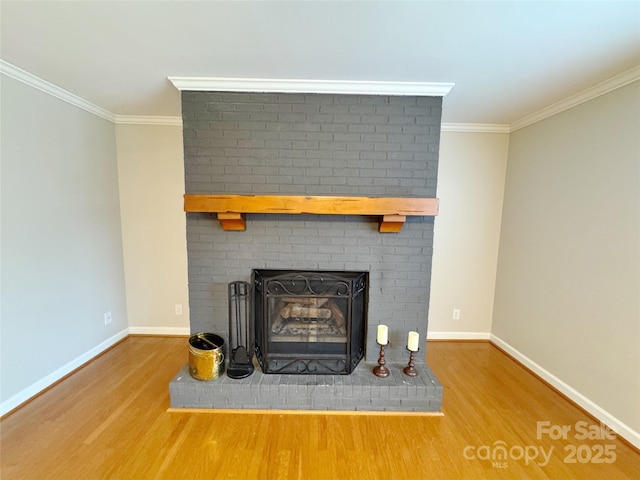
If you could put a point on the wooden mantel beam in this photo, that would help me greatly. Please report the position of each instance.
(231, 208)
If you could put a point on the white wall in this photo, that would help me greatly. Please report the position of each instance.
(61, 246)
(471, 175)
(568, 284)
(151, 172)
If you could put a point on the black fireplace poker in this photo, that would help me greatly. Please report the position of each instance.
(240, 330)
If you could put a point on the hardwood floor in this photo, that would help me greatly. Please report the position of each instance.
(110, 421)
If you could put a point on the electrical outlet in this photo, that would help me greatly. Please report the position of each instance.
(107, 318)
(178, 309)
(456, 314)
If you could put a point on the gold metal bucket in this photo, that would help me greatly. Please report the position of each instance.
(206, 357)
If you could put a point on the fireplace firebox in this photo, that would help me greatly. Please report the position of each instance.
(310, 322)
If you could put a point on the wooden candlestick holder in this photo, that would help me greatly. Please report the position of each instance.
(410, 369)
(380, 370)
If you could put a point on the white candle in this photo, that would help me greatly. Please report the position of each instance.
(383, 334)
(413, 341)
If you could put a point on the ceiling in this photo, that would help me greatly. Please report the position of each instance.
(507, 59)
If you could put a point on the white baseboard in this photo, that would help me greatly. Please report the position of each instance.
(458, 336)
(159, 331)
(622, 429)
(37, 387)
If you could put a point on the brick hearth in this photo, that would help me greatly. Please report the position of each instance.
(360, 391)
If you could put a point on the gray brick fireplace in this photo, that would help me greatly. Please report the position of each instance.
(313, 144)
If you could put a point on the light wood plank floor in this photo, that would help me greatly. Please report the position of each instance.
(110, 421)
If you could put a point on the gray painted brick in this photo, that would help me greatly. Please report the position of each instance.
(298, 144)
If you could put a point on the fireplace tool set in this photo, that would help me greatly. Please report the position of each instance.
(240, 330)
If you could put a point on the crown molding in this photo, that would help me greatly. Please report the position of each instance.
(219, 84)
(147, 120)
(55, 91)
(475, 128)
(319, 86)
(601, 88)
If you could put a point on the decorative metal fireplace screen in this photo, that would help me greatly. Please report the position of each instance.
(309, 322)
